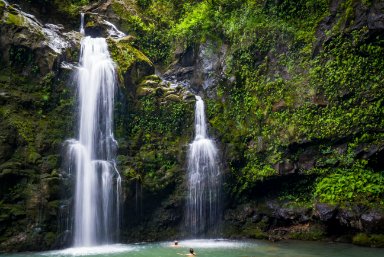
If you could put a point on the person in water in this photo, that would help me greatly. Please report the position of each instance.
(175, 244)
(191, 253)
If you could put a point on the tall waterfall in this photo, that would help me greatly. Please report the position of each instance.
(91, 156)
(204, 179)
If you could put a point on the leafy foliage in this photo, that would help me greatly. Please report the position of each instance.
(356, 184)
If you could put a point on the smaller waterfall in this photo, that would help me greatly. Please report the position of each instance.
(204, 179)
(82, 23)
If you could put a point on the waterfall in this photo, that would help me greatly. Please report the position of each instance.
(82, 23)
(91, 156)
(204, 179)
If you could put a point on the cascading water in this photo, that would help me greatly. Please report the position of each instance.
(204, 179)
(82, 23)
(91, 156)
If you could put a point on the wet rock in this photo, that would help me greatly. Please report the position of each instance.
(7, 141)
(199, 67)
(373, 221)
(350, 217)
(285, 167)
(133, 65)
(307, 159)
(34, 47)
(325, 212)
(173, 98)
(362, 15)
(375, 15)
(240, 214)
(288, 213)
(143, 91)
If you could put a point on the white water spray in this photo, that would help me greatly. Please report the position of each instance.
(204, 178)
(91, 156)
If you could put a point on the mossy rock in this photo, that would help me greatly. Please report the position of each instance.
(307, 232)
(149, 83)
(153, 78)
(144, 91)
(49, 239)
(14, 19)
(374, 240)
(132, 64)
(34, 157)
(2, 7)
(173, 98)
(252, 230)
(127, 11)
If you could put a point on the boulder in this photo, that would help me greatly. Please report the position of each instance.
(133, 65)
(372, 221)
(325, 212)
(350, 217)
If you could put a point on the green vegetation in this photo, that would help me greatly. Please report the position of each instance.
(374, 240)
(125, 56)
(155, 133)
(301, 92)
(356, 184)
(290, 86)
(67, 7)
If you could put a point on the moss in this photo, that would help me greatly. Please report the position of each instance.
(2, 8)
(25, 128)
(125, 55)
(361, 239)
(49, 239)
(128, 13)
(14, 19)
(143, 91)
(373, 240)
(252, 230)
(33, 157)
(90, 24)
(307, 232)
(68, 7)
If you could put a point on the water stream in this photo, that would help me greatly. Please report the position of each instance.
(204, 179)
(91, 156)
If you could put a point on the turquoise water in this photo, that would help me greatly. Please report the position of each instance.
(217, 248)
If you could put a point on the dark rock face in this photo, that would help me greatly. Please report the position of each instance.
(370, 16)
(376, 16)
(285, 220)
(373, 221)
(199, 67)
(34, 93)
(33, 47)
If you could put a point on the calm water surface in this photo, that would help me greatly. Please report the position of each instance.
(217, 248)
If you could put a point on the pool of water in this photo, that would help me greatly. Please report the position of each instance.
(216, 248)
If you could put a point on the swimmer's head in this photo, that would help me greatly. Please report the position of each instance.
(191, 251)
(176, 243)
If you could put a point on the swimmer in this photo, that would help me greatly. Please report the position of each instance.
(175, 244)
(191, 253)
